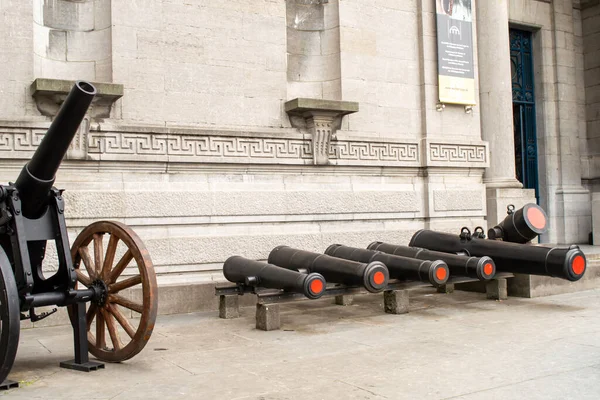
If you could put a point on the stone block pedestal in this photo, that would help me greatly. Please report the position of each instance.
(344, 300)
(229, 307)
(496, 289)
(396, 301)
(267, 317)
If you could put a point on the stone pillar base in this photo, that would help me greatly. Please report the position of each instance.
(596, 218)
(571, 219)
(537, 286)
(499, 198)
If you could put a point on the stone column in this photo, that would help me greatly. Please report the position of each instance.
(495, 92)
(571, 219)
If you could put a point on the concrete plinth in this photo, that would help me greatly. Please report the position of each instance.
(539, 286)
(344, 300)
(447, 288)
(267, 317)
(396, 301)
(496, 289)
(229, 306)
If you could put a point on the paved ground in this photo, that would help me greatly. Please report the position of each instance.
(457, 346)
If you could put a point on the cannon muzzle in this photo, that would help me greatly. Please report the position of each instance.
(482, 268)
(255, 273)
(566, 263)
(404, 268)
(522, 225)
(373, 276)
(37, 176)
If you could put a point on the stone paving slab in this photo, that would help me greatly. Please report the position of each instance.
(450, 346)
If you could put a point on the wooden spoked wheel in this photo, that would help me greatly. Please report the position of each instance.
(10, 318)
(112, 335)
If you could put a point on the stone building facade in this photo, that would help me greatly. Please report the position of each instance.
(231, 127)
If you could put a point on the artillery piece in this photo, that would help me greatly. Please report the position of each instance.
(31, 214)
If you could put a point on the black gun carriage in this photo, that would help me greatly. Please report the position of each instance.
(106, 279)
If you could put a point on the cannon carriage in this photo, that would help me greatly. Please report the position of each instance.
(104, 302)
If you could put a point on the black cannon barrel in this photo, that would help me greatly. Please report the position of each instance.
(403, 268)
(373, 276)
(566, 263)
(255, 273)
(522, 225)
(37, 176)
(482, 268)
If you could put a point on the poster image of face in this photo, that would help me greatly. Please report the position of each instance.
(455, 9)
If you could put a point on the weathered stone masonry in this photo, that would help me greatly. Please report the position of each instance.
(202, 158)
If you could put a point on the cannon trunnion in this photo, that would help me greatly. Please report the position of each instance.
(106, 277)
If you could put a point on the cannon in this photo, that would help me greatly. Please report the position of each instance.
(482, 268)
(117, 278)
(373, 276)
(521, 226)
(566, 263)
(260, 274)
(403, 268)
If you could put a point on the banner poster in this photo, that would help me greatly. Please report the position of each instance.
(456, 75)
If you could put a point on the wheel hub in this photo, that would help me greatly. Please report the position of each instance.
(100, 292)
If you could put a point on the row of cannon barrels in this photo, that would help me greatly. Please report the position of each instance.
(431, 257)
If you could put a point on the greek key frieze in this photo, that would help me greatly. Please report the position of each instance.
(21, 142)
(20, 139)
(378, 151)
(457, 153)
(197, 146)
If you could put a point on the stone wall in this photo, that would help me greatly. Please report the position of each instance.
(199, 155)
(201, 63)
(590, 16)
(558, 52)
(313, 47)
(72, 39)
(16, 70)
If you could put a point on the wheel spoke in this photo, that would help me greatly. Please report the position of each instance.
(87, 261)
(125, 284)
(114, 310)
(112, 330)
(90, 315)
(120, 267)
(100, 331)
(82, 278)
(98, 253)
(109, 258)
(122, 301)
